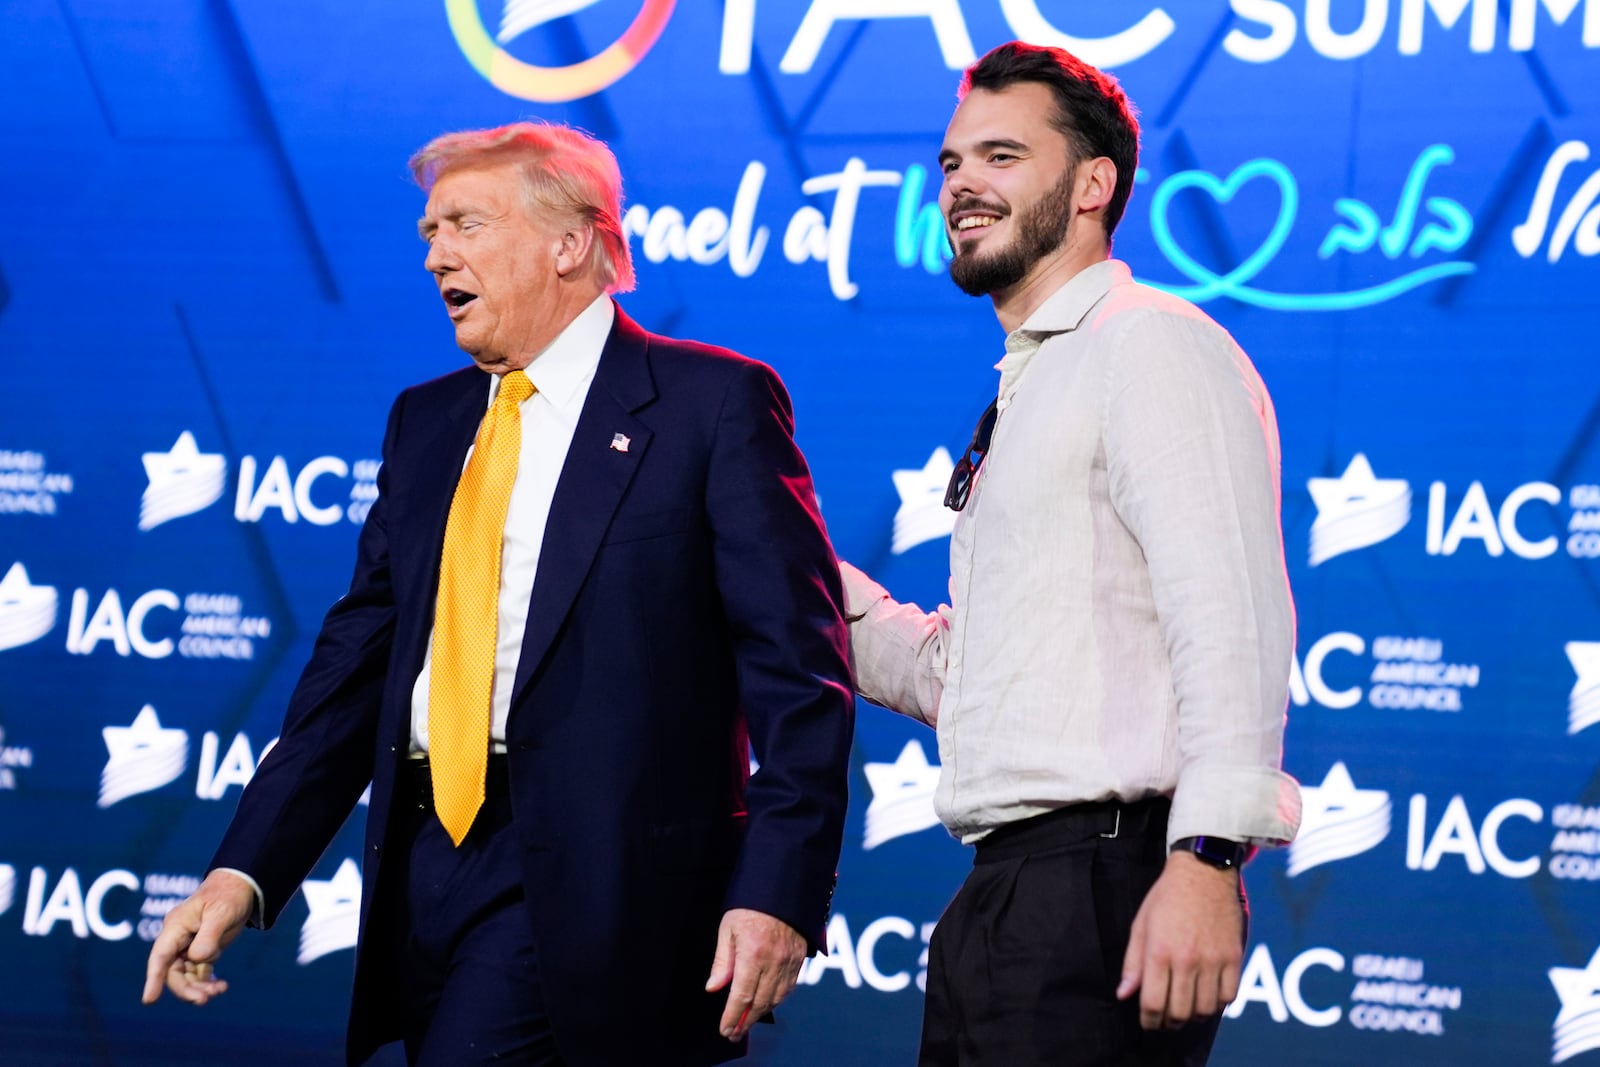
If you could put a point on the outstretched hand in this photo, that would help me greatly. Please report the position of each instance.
(193, 936)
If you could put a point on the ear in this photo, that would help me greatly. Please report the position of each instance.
(1097, 181)
(574, 249)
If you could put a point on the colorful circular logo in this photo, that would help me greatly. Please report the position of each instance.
(554, 85)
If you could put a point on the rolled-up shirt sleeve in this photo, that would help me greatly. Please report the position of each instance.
(898, 649)
(1191, 450)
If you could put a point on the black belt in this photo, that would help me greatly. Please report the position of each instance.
(416, 781)
(1141, 821)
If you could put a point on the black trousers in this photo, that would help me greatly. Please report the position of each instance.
(1023, 966)
(474, 988)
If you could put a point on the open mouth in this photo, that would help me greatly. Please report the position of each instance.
(976, 222)
(457, 299)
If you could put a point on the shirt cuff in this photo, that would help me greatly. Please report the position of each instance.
(257, 915)
(1251, 805)
(860, 592)
(896, 650)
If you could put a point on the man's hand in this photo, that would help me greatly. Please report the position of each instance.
(1186, 947)
(194, 934)
(761, 956)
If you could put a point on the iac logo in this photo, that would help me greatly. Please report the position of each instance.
(83, 911)
(86, 912)
(1577, 1026)
(489, 55)
(1408, 673)
(1358, 509)
(28, 486)
(141, 757)
(1390, 993)
(13, 758)
(212, 626)
(146, 756)
(902, 796)
(1341, 821)
(1583, 703)
(922, 516)
(1575, 849)
(334, 913)
(883, 958)
(124, 629)
(184, 481)
(27, 611)
(1338, 821)
(1264, 31)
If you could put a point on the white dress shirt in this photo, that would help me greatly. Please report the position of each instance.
(561, 377)
(1119, 622)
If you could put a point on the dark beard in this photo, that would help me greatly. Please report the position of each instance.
(1041, 229)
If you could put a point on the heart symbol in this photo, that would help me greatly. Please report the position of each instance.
(1223, 191)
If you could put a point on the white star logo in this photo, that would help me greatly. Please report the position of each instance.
(334, 913)
(1338, 821)
(1356, 509)
(1583, 705)
(520, 16)
(27, 611)
(143, 757)
(182, 482)
(1577, 1027)
(922, 516)
(902, 796)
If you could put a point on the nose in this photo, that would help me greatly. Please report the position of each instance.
(960, 182)
(441, 257)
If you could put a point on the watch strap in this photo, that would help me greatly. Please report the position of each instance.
(1218, 852)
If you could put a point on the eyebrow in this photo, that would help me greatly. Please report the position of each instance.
(985, 146)
(427, 227)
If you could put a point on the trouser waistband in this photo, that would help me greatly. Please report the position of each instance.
(416, 778)
(1141, 820)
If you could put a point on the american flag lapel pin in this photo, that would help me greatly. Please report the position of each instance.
(619, 442)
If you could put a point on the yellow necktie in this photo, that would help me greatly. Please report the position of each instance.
(466, 616)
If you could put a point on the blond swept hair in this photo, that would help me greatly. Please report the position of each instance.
(565, 173)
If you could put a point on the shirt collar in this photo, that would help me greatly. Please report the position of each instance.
(562, 372)
(1062, 311)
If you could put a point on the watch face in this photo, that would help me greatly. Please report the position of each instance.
(1217, 851)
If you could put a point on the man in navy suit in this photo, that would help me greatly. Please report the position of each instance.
(628, 893)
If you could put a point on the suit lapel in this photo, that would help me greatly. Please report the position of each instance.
(437, 468)
(593, 480)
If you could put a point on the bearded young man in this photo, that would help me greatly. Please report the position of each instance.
(1109, 680)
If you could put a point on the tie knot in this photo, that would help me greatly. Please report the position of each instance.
(515, 387)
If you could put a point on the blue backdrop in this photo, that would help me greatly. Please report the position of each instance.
(1391, 203)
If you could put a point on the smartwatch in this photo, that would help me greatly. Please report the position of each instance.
(1218, 852)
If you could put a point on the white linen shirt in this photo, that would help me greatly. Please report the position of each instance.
(561, 376)
(1120, 624)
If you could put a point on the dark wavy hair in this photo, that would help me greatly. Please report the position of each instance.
(1092, 111)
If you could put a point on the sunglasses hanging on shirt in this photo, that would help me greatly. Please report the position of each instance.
(960, 487)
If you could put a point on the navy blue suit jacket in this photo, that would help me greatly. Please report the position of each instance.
(687, 608)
